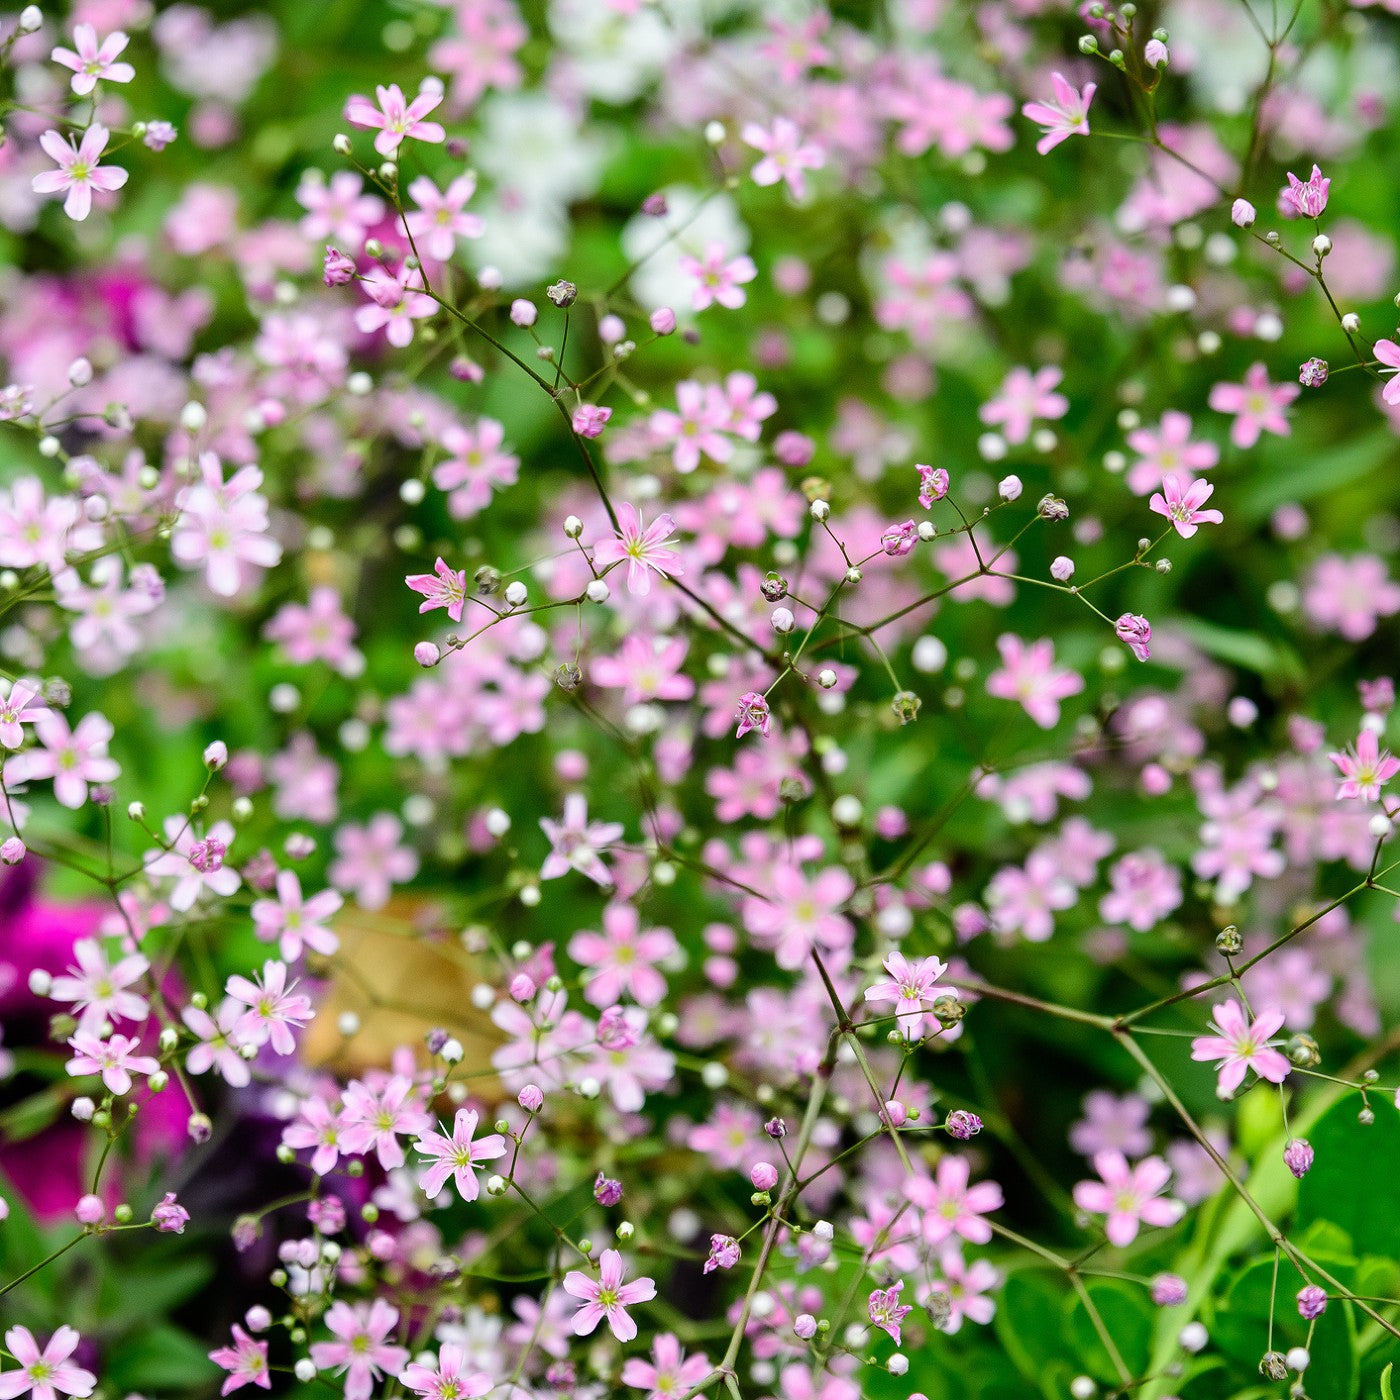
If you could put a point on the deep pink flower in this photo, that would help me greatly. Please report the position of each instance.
(1306, 198)
(886, 1311)
(443, 588)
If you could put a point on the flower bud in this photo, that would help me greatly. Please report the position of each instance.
(1298, 1157)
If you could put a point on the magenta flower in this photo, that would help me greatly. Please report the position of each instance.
(1182, 505)
(45, 1373)
(1130, 1196)
(395, 117)
(451, 1379)
(1240, 1045)
(645, 549)
(362, 1349)
(950, 1206)
(1065, 116)
(1306, 198)
(94, 62)
(245, 1361)
(786, 156)
(458, 1156)
(886, 1311)
(1257, 405)
(78, 170)
(608, 1297)
(443, 588)
(933, 484)
(1028, 674)
(1365, 767)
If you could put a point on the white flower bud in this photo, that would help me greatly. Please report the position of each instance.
(193, 417)
(497, 822)
(495, 1185)
(412, 491)
(598, 591)
(826, 678)
(1083, 1388)
(573, 527)
(40, 982)
(83, 1108)
(823, 1230)
(819, 510)
(80, 372)
(516, 593)
(1351, 323)
(305, 1369)
(451, 1052)
(898, 1364)
(1009, 488)
(1322, 245)
(31, 18)
(783, 620)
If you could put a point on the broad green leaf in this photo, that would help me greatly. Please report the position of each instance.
(1349, 1181)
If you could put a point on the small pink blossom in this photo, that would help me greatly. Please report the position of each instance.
(1028, 674)
(94, 62)
(47, 1372)
(1365, 767)
(950, 1206)
(1257, 405)
(1241, 1045)
(395, 118)
(78, 170)
(607, 1297)
(443, 588)
(1182, 505)
(786, 155)
(644, 548)
(114, 1059)
(1066, 115)
(362, 1349)
(457, 1156)
(245, 1361)
(1130, 1196)
(451, 1379)
(1305, 198)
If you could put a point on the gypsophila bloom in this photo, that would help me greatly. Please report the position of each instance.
(1365, 768)
(1298, 1157)
(458, 1156)
(1312, 374)
(1168, 1290)
(1135, 632)
(1181, 504)
(451, 1379)
(1305, 198)
(753, 713)
(245, 1361)
(644, 549)
(886, 1311)
(1241, 1045)
(92, 62)
(395, 118)
(724, 1253)
(1388, 353)
(169, 1216)
(79, 172)
(962, 1125)
(933, 484)
(1312, 1300)
(607, 1297)
(48, 1372)
(361, 1351)
(1130, 1196)
(1065, 115)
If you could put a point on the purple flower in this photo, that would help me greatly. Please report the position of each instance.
(1312, 1302)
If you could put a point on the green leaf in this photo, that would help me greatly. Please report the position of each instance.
(1127, 1317)
(157, 1358)
(1028, 1323)
(1386, 1392)
(1347, 1183)
(1247, 650)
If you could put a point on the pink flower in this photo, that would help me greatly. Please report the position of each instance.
(223, 525)
(1067, 115)
(317, 1127)
(1028, 675)
(72, 758)
(1349, 595)
(718, 278)
(964, 1286)
(724, 1253)
(1256, 404)
(1135, 632)
(950, 1206)
(644, 548)
(752, 713)
(589, 420)
(98, 988)
(46, 1372)
(1240, 1046)
(575, 842)
(362, 1350)
(458, 1156)
(1182, 505)
(608, 1297)
(622, 959)
(275, 1008)
(1306, 198)
(1366, 768)
(114, 1059)
(801, 913)
(1388, 353)
(450, 1379)
(371, 860)
(697, 427)
(670, 1373)
(912, 986)
(785, 154)
(933, 484)
(886, 1311)
(443, 588)
(78, 170)
(395, 117)
(92, 63)
(245, 1361)
(376, 1117)
(441, 217)
(1128, 1196)
(23, 705)
(1022, 398)
(396, 301)
(1165, 449)
(647, 669)
(294, 922)
(1145, 890)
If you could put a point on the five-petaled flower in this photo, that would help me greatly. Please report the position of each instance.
(607, 1297)
(1182, 504)
(48, 1371)
(395, 117)
(93, 62)
(1365, 767)
(1130, 1196)
(1066, 115)
(443, 588)
(78, 170)
(644, 548)
(458, 1156)
(1241, 1045)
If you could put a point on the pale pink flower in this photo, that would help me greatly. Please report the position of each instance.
(78, 170)
(99, 989)
(950, 1206)
(718, 277)
(786, 155)
(607, 1297)
(23, 705)
(223, 525)
(645, 549)
(396, 301)
(294, 922)
(622, 959)
(362, 1349)
(1028, 674)
(318, 1127)
(912, 987)
(114, 1059)
(670, 1373)
(1135, 632)
(451, 1379)
(395, 117)
(275, 1008)
(48, 1372)
(575, 842)
(1023, 397)
(1066, 115)
(371, 859)
(1388, 353)
(458, 1156)
(1182, 505)
(94, 62)
(965, 1287)
(72, 758)
(753, 713)
(441, 217)
(1365, 767)
(1241, 1045)
(1130, 1196)
(1165, 449)
(1257, 405)
(245, 1361)
(376, 1117)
